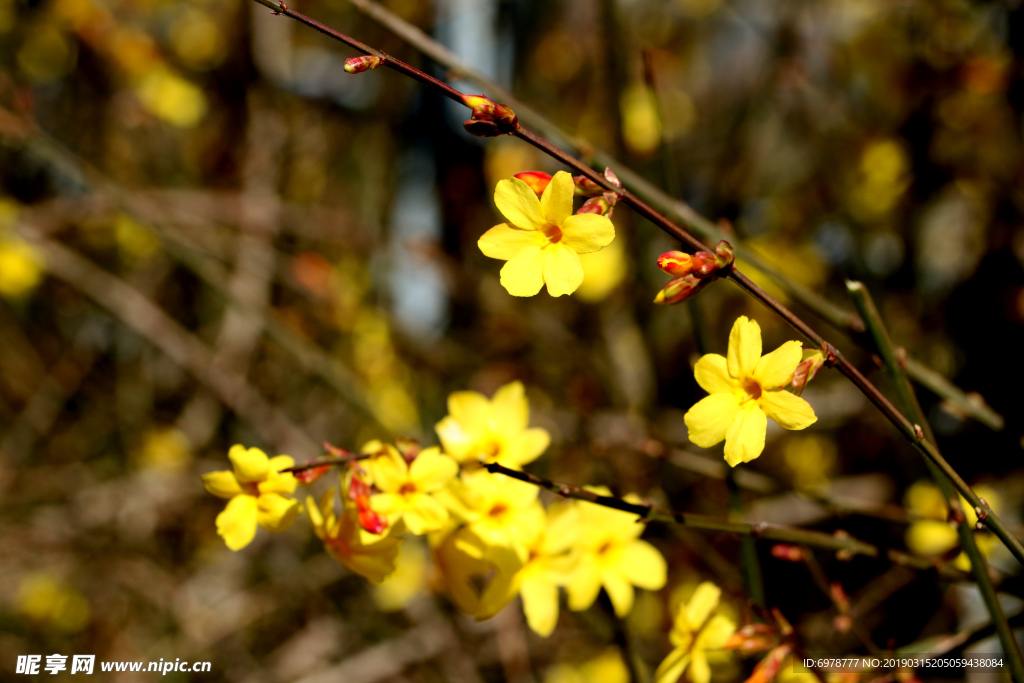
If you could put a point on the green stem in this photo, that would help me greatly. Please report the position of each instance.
(753, 578)
(895, 370)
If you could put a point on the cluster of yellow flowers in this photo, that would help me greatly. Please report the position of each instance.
(492, 537)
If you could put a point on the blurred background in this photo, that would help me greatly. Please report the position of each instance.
(211, 234)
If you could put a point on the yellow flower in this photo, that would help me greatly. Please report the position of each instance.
(498, 510)
(694, 633)
(254, 489)
(607, 667)
(549, 565)
(746, 389)
(407, 490)
(366, 554)
(491, 430)
(933, 535)
(542, 240)
(613, 556)
(478, 575)
(21, 268)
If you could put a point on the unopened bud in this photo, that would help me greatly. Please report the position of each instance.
(612, 178)
(789, 553)
(839, 597)
(482, 129)
(357, 65)
(597, 205)
(679, 289)
(705, 264)
(813, 360)
(485, 109)
(725, 253)
(585, 187)
(409, 448)
(752, 638)
(537, 180)
(676, 263)
(308, 476)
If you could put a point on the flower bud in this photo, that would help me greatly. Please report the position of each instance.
(612, 178)
(537, 180)
(705, 264)
(725, 253)
(813, 360)
(357, 65)
(307, 477)
(676, 263)
(597, 205)
(482, 129)
(679, 289)
(752, 638)
(485, 109)
(789, 553)
(585, 187)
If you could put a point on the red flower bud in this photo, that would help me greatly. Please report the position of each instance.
(676, 263)
(485, 109)
(597, 205)
(679, 289)
(368, 519)
(585, 187)
(537, 180)
(307, 477)
(789, 553)
(357, 65)
(482, 129)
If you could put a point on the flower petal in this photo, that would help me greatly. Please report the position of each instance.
(221, 484)
(672, 667)
(556, 201)
(540, 604)
(236, 524)
(744, 440)
(524, 447)
(504, 241)
(388, 471)
(523, 275)
(275, 512)
(425, 514)
(620, 591)
(744, 347)
(930, 537)
(584, 586)
(645, 567)
(709, 419)
(586, 233)
(716, 634)
(704, 601)
(454, 439)
(431, 470)
(510, 408)
(776, 368)
(700, 670)
(250, 464)
(472, 410)
(789, 410)
(276, 481)
(563, 271)
(712, 373)
(518, 203)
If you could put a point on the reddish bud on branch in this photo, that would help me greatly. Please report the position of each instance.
(789, 553)
(307, 477)
(357, 65)
(537, 180)
(501, 119)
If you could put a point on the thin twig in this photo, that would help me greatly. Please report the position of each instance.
(894, 368)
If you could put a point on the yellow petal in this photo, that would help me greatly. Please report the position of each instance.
(276, 481)
(315, 517)
(712, 373)
(789, 410)
(525, 447)
(744, 347)
(556, 200)
(221, 484)
(518, 203)
(586, 233)
(776, 369)
(388, 470)
(276, 513)
(510, 408)
(709, 419)
(236, 524)
(716, 634)
(563, 271)
(585, 585)
(744, 439)
(523, 275)
(472, 410)
(700, 671)
(704, 601)
(431, 470)
(454, 439)
(673, 666)
(540, 604)
(931, 537)
(620, 591)
(644, 566)
(504, 241)
(250, 464)
(425, 514)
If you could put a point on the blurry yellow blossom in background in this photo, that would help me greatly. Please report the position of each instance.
(135, 241)
(46, 54)
(607, 667)
(811, 459)
(372, 557)
(197, 39)
(612, 556)
(165, 449)
(171, 98)
(746, 389)
(491, 430)
(641, 122)
(550, 565)
(406, 490)
(934, 535)
(254, 488)
(21, 267)
(697, 629)
(603, 271)
(408, 581)
(881, 181)
(45, 600)
(543, 239)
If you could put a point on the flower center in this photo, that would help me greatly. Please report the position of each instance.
(407, 488)
(752, 388)
(552, 232)
(498, 510)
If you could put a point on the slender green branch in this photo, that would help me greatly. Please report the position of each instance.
(909, 430)
(894, 368)
(840, 541)
(679, 210)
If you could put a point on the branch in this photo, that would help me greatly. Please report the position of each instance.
(909, 430)
(677, 209)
